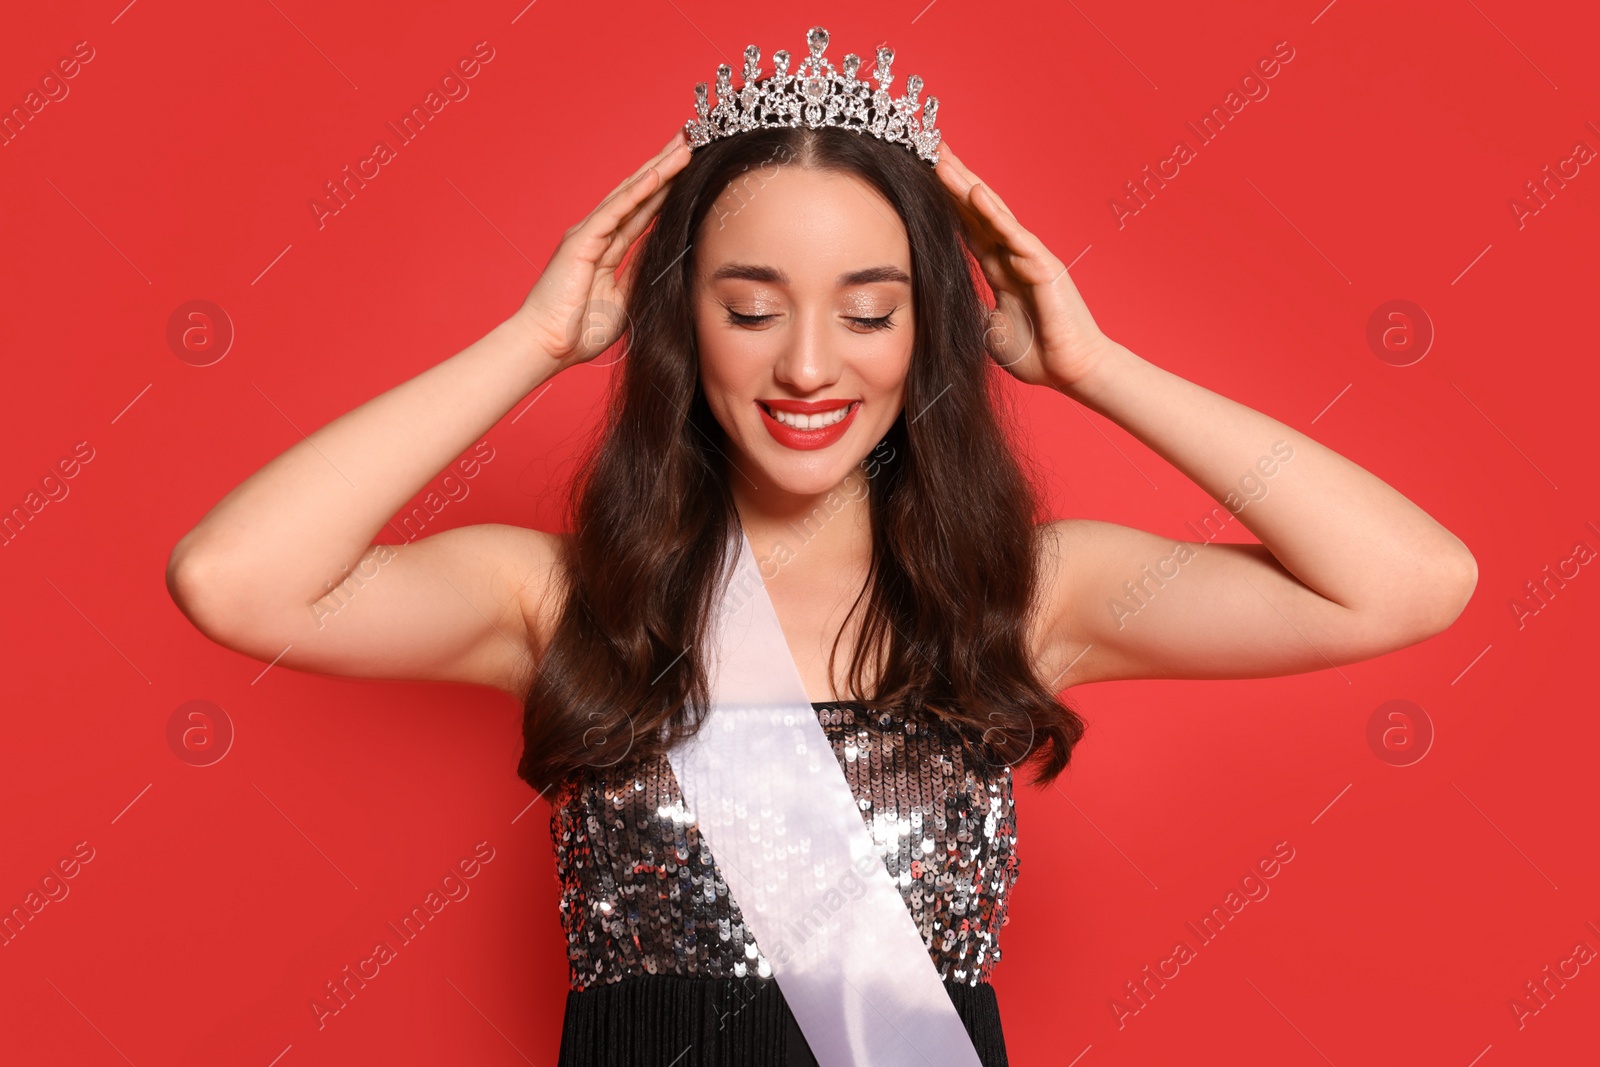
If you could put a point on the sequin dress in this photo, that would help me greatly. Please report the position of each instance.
(662, 968)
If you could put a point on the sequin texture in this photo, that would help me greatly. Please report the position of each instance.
(641, 893)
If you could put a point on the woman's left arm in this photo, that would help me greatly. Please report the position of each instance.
(1347, 567)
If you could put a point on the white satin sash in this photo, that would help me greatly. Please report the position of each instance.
(766, 791)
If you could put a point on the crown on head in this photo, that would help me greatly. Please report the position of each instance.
(816, 95)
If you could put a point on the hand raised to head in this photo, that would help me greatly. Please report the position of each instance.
(1040, 329)
(575, 310)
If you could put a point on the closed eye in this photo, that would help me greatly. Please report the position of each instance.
(882, 322)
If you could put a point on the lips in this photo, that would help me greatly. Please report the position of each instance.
(806, 440)
(806, 407)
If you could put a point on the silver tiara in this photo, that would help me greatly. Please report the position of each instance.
(817, 95)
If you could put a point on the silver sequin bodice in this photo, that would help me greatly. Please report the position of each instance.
(641, 894)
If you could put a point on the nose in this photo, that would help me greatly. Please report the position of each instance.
(808, 360)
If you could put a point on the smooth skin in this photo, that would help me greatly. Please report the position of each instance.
(1347, 568)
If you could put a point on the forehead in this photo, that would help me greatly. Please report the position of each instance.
(811, 224)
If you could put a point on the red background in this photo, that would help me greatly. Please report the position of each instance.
(1381, 166)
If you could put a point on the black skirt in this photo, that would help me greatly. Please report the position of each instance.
(680, 1021)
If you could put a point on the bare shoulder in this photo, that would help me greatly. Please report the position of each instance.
(542, 586)
(1065, 550)
(490, 595)
(533, 578)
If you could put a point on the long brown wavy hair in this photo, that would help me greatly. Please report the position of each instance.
(952, 574)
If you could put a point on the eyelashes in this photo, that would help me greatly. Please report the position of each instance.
(882, 322)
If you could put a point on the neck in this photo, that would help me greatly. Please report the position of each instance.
(830, 530)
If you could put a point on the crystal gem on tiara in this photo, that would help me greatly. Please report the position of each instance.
(817, 95)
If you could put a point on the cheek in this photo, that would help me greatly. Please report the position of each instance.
(718, 366)
(887, 373)
(722, 378)
(731, 361)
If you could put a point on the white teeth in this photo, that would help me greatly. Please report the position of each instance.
(810, 422)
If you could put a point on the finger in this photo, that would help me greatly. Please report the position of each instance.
(987, 202)
(981, 234)
(628, 234)
(1014, 238)
(672, 158)
(602, 223)
(966, 174)
(961, 183)
(1014, 255)
(628, 278)
(961, 171)
(960, 189)
(646, 181)
(667, 149)
(1004, 210)
(981, 242)
(631, 228)
(954, 178)
(640, 218)
(973, 180)
(996, 233)
(993, 269)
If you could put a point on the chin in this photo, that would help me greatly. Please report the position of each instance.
(808, 473)
(808, 479)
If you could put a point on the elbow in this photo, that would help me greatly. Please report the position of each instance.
(189, 569)
(191, 583)
(200, 584)
(1424, 603)
(1451, 590)
(180, 583)
(1462, 584)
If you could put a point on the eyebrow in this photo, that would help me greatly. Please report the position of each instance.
(755, 273)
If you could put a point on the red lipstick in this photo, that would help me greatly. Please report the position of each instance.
(807, 407)
(806, 440)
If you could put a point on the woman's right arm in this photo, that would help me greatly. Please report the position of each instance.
(285, 568)
(267, 572)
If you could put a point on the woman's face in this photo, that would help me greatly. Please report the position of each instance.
(802, 300)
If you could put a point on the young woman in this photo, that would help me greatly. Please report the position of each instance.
(808, 361)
